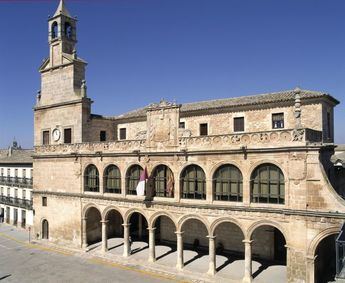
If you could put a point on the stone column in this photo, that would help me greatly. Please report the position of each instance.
(126, 245)
(247, 261)
(180, 263)
(212, 255)
(152, 244)
(311, 268)
(104, 236)
(140, 226)
(84, 233)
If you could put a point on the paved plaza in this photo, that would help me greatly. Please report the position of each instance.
(24, 262)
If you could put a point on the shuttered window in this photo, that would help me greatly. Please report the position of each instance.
(278, 120)
(67, 134)
(203, 129)
(239, 124)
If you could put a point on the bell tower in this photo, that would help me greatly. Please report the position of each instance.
(62, 108)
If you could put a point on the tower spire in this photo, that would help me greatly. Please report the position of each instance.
(62, 10)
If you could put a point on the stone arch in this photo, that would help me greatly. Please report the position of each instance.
(260, 223)
(108, 209)
(189, 164)
(129, 213)
(267, 161)
(185, 218)
(87, 207)
(215, 167)
(319, 237)
(44, 227)
(156, 215)
(219, 221)
(93, 227)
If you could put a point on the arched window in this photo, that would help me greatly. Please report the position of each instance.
(132, 179)
(68, 30)
(163, 180)
(112, 180)
(227, 183)
(267, 184)
(91, 179)
(45, 229)
(54, 30)
(193, 183)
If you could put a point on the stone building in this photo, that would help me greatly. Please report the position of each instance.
(246, 177)
(16, 186)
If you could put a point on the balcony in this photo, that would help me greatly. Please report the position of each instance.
(17, 202)
(16, 182)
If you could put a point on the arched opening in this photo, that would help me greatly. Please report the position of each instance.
(132, 179)
(163, 180)
(267, 184)
(112, 180)
(138, 234)
(54, 30)
(93, 226)
(68, 30)
(227, 183)
(229, 250)
(91, 179)
(268, 253)
(325, 261)
(45, 229)
(193, 183)
(114, 231)
(165, 240)
(195, 244)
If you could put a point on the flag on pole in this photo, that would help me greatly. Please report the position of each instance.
(142, 181)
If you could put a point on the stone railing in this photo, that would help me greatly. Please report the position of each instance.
(277, 138)
(92, 147)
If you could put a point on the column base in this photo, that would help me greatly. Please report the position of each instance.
(211, 271)
(152, 259)
(247, 280)
(179, 266)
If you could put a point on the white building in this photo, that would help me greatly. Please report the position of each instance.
(16, 186)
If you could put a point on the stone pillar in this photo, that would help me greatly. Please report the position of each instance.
(84, 233)
(247, 261)
(104, 236)
(180, 263)
(126, 244)
(246, 191)
(212, 255)
(152, 244)
(311, 268)
(140, 226)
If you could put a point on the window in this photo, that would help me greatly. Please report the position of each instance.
(68, 30)
(182, 125)
(239, 124)
(267, 184)
(227, 183)
(193, 183)
(24, 194)
(91, 179)
(24, 173)
(278, 121)
(2, 171)
(132, 179)
(54, 30)
(45, 137)
(8, 172)
(16, 172)
(203, 129)
(163, 180)
(102, 136)
(328, 125)
(112, 180)
(15, 193)
(44, 201)
(122, 133)
(67, 135)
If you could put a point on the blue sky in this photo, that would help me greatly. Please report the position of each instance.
(140, 51)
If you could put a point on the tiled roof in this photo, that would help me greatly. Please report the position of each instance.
(17, 156)
(274, 97)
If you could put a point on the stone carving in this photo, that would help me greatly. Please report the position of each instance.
(298, 135)
(162, 104)
(141, 135)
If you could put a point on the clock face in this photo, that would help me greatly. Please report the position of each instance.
(56, 134)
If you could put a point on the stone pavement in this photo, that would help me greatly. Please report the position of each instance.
(196, 265)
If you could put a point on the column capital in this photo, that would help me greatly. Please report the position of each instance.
(104, 221)
(311, 258)
(84, 218)
(247, 241)
(179, 233)
(211, 237)
(151, 229)
(126, 224)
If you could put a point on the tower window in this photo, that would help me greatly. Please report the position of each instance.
(67, 135)
(278, 121)
(182, 125)
(54, 30)
(203, 129)
(68, 30)
(103, 136)
(44, 201)
(45, 137)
